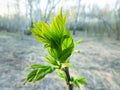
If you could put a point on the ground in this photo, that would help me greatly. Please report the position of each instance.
(98, 61)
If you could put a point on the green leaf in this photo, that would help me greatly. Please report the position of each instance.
(77, 81)
(51, 60)
(74, 82)
(78, 42)
(31, 76)
(37, 66)
(67, 43)
(65, 54)
(46, 45)
(77, 51)
(53, 53)
(41, 73)
(38, 72)
(62, 75)
(82, 80)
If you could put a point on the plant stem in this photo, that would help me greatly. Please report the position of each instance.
(70, 86)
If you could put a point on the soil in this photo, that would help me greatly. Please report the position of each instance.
(98, 61)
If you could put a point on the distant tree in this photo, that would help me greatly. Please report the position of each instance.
(117, 16)
(30, 12)
(30, 6)
(17, 15)
(37, 14)
(77, 17)
(8, 22)
(118, 25)
(50, 6)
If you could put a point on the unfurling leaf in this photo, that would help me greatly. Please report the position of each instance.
(51, 60)
(38, 72)
(77, 81)
(74, 82)
(82, 80)
(66, 54)
(56, 38)
(62, 75)
(78, 42)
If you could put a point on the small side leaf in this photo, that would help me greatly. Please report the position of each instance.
(78, 42)
(74, 82)
(51, 60)
(77, 81)
(38, 72)
(77, 51)
(82, 80)
(62, 75)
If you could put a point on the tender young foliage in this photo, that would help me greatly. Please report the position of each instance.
(77, 81)
(56, 38)
(59, 43)
(38, 72)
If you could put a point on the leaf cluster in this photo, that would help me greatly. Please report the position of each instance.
(58, 40)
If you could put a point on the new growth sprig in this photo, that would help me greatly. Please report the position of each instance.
(58, 40)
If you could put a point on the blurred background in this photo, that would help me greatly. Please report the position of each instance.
(97, 22)
(93, 17)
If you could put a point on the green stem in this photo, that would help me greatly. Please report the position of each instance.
(66, 70)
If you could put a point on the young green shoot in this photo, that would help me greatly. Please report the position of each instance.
(58, 40)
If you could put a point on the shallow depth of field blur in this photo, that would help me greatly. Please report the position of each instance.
(96, 22)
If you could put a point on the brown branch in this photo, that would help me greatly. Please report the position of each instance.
(66, 70)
